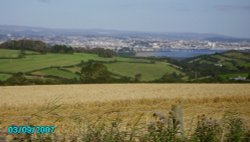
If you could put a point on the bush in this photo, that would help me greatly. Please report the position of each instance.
(33, 45)
(170, 78)
(164, 128)
(234, 126)
(17, 79)
(138, 77)
(61, 49)
(101, 52)
(94, 72)
(207, 130)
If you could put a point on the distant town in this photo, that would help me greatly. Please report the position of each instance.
(116, 40)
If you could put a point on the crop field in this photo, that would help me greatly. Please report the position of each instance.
(66, 105)
(75, 109)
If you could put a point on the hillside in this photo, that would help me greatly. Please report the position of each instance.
(222, 67)
(33, 62)
(54, 66)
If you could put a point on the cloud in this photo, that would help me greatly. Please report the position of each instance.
(233, 7)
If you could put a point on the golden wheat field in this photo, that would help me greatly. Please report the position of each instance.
(65, 105)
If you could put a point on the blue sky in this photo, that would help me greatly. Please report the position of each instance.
(228, 17)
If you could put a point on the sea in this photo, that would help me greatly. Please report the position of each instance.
(178, 53)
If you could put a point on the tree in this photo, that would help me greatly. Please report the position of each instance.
(95, 72)
(101, 52)
(17, 79)
(33, 45)
(61, 49)
(106, 53)
(173, 77)
(21, 53)
(248, 77)
(138, 77)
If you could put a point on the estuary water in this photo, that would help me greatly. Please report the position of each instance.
(179, 53)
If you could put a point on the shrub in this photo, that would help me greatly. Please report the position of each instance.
(207, 130)
(234, 126)
(166, 129)
(95, 72)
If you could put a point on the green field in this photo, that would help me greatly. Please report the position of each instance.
(36, 62)
(6, 53)
(237, 55)
(4, 77)
(66, 66)
(233, 75)
(239, 58)
(57, 73)
(227, 60)
(147, 70)
(73, 69)
(44, 65)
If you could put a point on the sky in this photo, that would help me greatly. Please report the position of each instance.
(227, 17)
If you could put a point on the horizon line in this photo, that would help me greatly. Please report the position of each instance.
(121, 30)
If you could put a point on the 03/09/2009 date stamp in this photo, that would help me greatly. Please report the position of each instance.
(31, 129)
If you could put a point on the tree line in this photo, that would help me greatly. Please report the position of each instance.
(41, 47)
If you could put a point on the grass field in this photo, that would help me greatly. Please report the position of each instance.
(236, 55)
(36, 64)
(148, 71)
(240, 58)
(66, 105)
(7, 53)
(57, 72)
(4, 76)
(228, 60)
(45, 65)
(228, 76)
